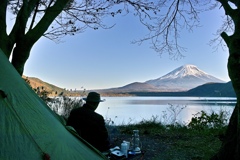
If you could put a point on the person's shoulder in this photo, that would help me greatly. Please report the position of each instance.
(75, 110)
(98, 115)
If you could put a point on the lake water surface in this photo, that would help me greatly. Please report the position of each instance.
(126, 110)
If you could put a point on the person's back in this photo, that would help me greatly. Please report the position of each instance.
(90, 125)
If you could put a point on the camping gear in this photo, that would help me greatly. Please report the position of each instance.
(124, 149)
(135, 140)
(29, 129)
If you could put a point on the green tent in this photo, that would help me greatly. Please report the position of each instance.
(29, 130)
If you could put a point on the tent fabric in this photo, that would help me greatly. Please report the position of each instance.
(29, 129)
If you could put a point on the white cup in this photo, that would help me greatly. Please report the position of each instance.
(124, 149)
(128, 144)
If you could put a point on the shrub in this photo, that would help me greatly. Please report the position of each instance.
(63, 105)
(170, 116)
(203, 120)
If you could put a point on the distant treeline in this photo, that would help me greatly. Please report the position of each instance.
(206, 90)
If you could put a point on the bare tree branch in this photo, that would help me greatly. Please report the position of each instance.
(175, 16)
(81, 14)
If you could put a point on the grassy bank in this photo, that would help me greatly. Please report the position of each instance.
(173, 142)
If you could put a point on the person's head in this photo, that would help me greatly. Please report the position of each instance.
(93, 100)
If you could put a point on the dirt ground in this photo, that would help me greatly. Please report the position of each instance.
(152, 147)
(170, 147)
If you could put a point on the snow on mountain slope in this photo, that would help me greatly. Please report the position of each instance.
(183, 78)
(184, 71)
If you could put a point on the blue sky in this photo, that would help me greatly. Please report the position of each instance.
(98, 59)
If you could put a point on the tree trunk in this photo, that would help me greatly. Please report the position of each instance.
(20, 55)
(25, 41)
(230, 146)
(229, 149)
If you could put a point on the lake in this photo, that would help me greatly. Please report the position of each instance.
(127, 110)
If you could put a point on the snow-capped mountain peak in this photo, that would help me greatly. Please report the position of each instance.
(185, 70)
(183, 78)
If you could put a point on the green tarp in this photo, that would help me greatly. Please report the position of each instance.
(29, 129)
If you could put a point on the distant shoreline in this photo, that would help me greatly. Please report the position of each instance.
(157, 94)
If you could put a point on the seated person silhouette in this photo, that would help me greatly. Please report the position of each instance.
(89, 124)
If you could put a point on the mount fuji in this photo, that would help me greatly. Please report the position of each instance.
(183, 78)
